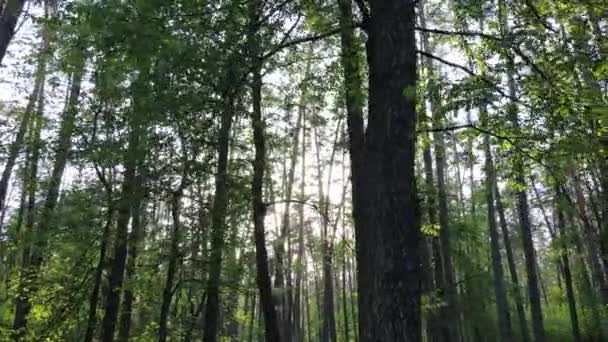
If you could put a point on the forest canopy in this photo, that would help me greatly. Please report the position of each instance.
(304, 170)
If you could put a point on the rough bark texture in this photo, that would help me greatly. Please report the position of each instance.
(8, 22)
(382, 170)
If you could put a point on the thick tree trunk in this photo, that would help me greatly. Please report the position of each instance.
(384, 188)
(390, 218)
(8, 23)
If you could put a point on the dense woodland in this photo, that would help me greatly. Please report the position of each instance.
(304, 170)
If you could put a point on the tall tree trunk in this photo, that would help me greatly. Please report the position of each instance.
(281, 269)
(26, 285)
(101, 263)
(299, 300)
(523, 210)
(218, 218)
(390, 215)
(450, 316)
(8, 23)
(383, 173)
(258, 206)
(519, 305)
(63, 147)
(561, 226)
(593, 244)
(135, 236)
(15, 146)
(329, 319)
(438, 327)
(351, 61)
(502, 306)
(344, 288)
(168, 290)
(134, 156)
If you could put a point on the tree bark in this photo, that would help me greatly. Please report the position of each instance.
(258, 206)
(502, 306)
(281, 270)
(134, 156)
(522, 200)
(383, 174)
(62, 152)
(15, 146)
(561, 227)
(521, 314)
(8, 23)
(218, 218)
(135, 236)
(27, 275)
(168, 290)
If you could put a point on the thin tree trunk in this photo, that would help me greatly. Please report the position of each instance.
(522, 201)
(15, 146)
(299, 307)
(561, 226)
(593, 244)
(135, 236)
(502, 306)
(218, 219)
(26, 285)
(101, 263)
(329, 319)
(281, 270)
(134, 156)
(168, 290)
(519, 305)
(436, 326)
(258, 205)
(449, 314)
